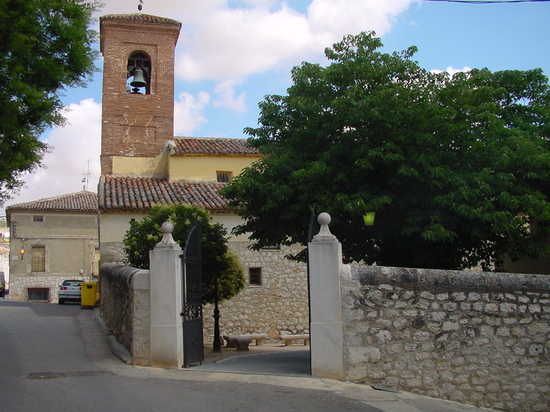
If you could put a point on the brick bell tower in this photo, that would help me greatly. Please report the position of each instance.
(138, 85)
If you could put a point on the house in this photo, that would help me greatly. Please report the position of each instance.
(4, 251)
(144, 164)
(52, 239)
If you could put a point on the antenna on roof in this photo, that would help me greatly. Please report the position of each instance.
(140, 5)
(86, 178)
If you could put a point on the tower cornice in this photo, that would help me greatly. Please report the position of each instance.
(139, 18)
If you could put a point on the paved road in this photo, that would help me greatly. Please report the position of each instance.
(279, 363)
(55, 358)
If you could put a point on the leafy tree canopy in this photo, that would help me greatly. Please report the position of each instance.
(455, 167)
(45, 47)
(218, 261)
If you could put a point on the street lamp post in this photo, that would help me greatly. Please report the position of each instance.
(217, 345)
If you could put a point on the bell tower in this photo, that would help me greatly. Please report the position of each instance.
(138, 86)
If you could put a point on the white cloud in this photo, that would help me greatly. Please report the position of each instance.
(236, 42)
(227, 99)
(67, 163)
(233, 43)
(339, 17)
(188, 112)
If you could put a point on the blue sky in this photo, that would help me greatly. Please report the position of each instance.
(231, 54)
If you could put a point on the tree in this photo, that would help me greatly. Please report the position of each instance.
(455, 167)
(218, 261)
(45, 47)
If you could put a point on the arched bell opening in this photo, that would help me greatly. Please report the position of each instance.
(138, 75)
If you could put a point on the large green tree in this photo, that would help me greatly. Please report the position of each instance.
(45, 47)
(218, 261)
(455, 167)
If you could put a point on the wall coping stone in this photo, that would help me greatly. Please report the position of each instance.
(123, 273)
(438, 279)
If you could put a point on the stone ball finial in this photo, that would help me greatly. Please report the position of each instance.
(167, 227)
(167, 240)
(324, 218)
(324, 232)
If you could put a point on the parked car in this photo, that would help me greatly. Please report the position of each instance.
(2, 285)
(70, 290)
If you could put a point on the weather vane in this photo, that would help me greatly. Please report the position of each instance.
(140, 5)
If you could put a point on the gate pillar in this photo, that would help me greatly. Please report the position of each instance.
(165, 298)
(325, 260)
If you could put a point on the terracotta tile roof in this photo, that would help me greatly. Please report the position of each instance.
(72, 202)
(141, 193)
(212, 145)
(139, 18)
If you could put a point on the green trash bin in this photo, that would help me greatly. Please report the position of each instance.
(89, 293)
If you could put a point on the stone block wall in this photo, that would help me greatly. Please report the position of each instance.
(19, 285)
(279, 306)
(471, 337)
(125, 308)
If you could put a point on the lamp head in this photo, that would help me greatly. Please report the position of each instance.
(368, 218)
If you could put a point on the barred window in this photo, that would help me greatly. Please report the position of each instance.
(255, 276)
(38, 294)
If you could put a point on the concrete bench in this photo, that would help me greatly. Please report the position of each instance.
(239, 342)
(289, 338)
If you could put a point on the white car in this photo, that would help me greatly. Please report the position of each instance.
(70, 290)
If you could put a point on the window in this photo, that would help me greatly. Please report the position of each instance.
(38, 259)
(38, 218)
(224, 177)
(38, 294)
(255, 276)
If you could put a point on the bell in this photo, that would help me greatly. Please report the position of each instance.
(138, 80)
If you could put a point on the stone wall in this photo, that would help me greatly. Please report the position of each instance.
(472, 337)
(279, 306)
(19, 285)
(125, 308)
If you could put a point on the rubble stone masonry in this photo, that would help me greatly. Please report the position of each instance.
(471, 337)
(278, 306)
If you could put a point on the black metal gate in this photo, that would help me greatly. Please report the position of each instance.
(193, 348)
